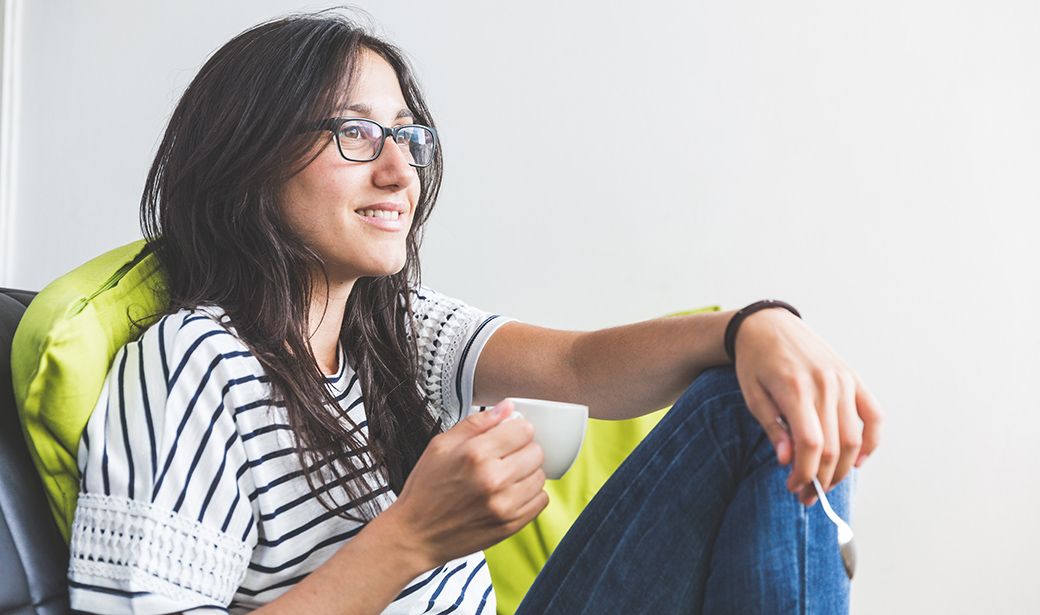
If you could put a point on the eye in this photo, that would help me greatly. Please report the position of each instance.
(351, 133)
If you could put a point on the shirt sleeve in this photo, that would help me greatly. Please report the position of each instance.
(452, 335)
(164, 522)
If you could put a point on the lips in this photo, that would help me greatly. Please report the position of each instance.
(400, 208)
(384, 223)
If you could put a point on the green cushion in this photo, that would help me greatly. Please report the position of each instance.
(72, 330)
(516, 561)
(62, 351)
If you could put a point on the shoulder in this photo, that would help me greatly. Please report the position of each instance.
(160, 464)
(443, 323)
(451, 334)
(421, 294)
(427, 303)
(441, 314)
(194, 327)
(184, 357)
(189, 339)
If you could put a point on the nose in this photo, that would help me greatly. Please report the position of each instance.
(391, 167)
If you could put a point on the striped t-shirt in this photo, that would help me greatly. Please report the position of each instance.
(192, 497)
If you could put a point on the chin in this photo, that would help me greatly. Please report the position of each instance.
(387, 269)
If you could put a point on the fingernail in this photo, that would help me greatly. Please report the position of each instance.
(499, 409)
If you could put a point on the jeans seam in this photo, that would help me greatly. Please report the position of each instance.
(803, 561)
(710, 430)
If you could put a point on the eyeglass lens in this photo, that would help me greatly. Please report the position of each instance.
(360, 140)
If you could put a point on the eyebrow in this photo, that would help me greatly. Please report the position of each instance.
(365, 109)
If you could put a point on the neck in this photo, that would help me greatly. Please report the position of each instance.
(326, 321)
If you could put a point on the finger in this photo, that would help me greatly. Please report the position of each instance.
(849, 431)
(479, 422)
(529, 510)
(494, 433)
(799, 408)
(523, 491)
(506, 438)
(870, 411)
(762, 407)
(807, 495)
(827, 390)
(525, 461)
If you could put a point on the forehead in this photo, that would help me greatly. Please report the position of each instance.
(374, 89)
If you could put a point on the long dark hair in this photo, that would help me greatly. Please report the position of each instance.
(210, 213)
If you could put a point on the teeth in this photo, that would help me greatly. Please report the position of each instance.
(379, 213)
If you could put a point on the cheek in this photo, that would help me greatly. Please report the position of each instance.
(319, 198)
(414, 191)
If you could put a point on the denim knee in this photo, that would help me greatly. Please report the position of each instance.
(716, 394)
(710, 383)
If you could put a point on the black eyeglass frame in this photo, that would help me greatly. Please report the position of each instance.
(333, 125)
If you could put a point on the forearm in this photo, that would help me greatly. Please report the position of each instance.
(631, 370)
(364, 576)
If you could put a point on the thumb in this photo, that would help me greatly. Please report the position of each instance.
(479, 422)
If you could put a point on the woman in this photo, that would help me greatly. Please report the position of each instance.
(296, 434)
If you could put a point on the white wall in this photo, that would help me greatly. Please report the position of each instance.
(873, 163)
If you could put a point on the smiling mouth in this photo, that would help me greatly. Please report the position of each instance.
(379, 213)
(383, 221)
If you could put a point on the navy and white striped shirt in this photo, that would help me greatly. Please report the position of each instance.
(192, 497)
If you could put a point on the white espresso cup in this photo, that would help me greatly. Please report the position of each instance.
(559, 428)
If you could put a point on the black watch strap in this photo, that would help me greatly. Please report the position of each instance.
(730, 340)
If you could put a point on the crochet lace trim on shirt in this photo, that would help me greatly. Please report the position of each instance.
(442, 324)
(156, 550)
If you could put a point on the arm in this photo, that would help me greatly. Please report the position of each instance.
(363, 576)
(619, 372)
(635, 369)
(784, 370)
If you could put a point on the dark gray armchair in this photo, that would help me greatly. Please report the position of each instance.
(33, 556)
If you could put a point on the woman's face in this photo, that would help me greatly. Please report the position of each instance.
(322, 201)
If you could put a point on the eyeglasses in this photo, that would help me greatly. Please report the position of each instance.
(361, 140)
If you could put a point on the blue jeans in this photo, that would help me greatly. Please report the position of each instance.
(698, 519)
